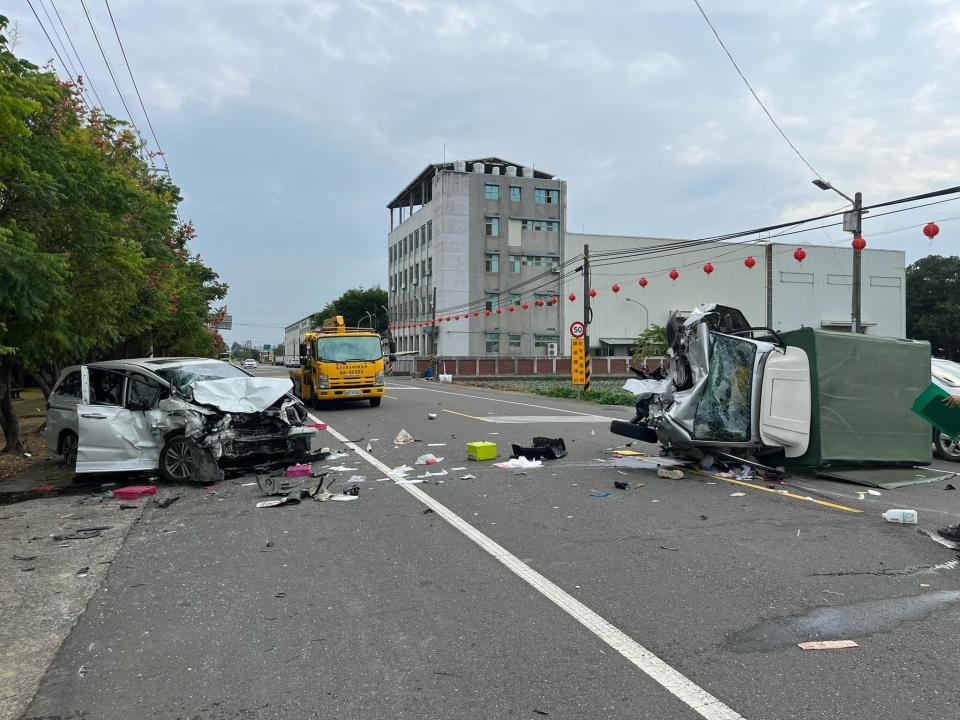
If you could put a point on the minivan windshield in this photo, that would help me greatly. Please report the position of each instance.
(345, 348)
(183, 376)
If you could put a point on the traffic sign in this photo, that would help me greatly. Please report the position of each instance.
(578, 362)
(577, 329)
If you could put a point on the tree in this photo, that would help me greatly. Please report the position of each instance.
(358, 307)
(652, 342)
(933, 304)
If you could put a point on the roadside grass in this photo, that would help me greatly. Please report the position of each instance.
(602, 392)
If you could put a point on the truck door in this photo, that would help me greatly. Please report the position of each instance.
(785, 402)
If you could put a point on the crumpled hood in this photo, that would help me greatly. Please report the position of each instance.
(241, 395)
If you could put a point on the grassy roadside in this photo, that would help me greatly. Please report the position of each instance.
(602, 392)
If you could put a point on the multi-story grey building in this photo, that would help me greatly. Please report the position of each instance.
(485, 234)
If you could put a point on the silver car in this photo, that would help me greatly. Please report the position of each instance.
(185, 417)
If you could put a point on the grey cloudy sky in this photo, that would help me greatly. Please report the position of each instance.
(289, 124)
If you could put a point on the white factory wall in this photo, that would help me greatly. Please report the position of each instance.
(817, 292)
(614, 316)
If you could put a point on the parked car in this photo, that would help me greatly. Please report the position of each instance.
(249, 363)
(946, 374)
(185, 417)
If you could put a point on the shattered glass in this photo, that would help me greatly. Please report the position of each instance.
(724, 410)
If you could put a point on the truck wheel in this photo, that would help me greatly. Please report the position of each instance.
(375, 402)
(176, 459)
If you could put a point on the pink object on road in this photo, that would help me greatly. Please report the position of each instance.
(299, 471)
(132, 492)
(318, 425)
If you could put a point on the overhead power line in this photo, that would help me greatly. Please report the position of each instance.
(56, 51)
(143, 107)
(113, 77)
(76, 54)
(753, 92)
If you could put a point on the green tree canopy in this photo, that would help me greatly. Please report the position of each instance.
(933, 304)
(652, 342)
(358, 307)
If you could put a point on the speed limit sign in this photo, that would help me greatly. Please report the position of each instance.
(577, 329)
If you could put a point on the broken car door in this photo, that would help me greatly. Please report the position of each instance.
(115, 422)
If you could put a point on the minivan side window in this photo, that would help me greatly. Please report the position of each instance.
(143, 393)
(106, 388)
(70, 385)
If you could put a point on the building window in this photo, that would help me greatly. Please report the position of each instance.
(543, 225)
(491, 192)
(493, 226)
(514, 341)
(493, 342)
(547, 196)
(416, 238)
(514, 298)
(492, 302)
(514, 263)
(492, 262)
(429, 266)
(541, 341)
(423, 268)
(546, 297)
(514, 193)
(429, 232)
(423, 236)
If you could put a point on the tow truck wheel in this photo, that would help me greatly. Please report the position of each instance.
(375, 402)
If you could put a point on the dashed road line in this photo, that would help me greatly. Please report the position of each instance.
(675, 682)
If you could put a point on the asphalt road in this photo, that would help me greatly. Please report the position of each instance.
(517, 595)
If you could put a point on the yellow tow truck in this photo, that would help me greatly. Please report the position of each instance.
(339, 363)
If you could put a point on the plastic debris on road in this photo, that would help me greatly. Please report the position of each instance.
(433, 474)
(468, 477)
(737, 494)
(621, 484)
(343, 498)
(431, 416)
(299, 471)
(132, 492)
(604, 494)
(827, 645)
(357, 479)
(900, 515)
(542, 448)
(338, 455)
(409, 481)
(520, 463)
(436, 444)
(428, 459)
(670, 473)
(318, 425)
(402, 470)
(403, 438)
(342, 468)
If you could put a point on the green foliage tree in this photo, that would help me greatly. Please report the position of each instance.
(652, 342)
(933, 304)
(94, 262)
(358, 307)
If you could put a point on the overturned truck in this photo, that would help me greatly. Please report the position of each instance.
(806, 397)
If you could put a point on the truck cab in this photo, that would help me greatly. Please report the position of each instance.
(339, 363)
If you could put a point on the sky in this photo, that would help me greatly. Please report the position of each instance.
(290, 124)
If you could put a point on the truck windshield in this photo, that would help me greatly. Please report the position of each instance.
(345, 348)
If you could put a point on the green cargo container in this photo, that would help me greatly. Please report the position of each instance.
(863, 390)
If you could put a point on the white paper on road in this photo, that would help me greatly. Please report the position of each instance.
(241, 395)
(520, 463)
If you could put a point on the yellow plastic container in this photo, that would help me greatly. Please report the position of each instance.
(481, 450)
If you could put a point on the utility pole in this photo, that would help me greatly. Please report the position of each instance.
(852, 222)
(587, 313)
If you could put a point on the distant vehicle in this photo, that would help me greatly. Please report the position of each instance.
(185, 417)
(249, 363)
(339, 363)
(224, 357)
(946, 374)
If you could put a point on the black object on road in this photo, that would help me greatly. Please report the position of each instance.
(352, 490)
(542, 449)
(621, 484)
(167, 501)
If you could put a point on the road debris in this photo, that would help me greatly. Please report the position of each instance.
(604, 494)
(431, 416)
(82, 534)
(621, 484)
(671, 549)
(738, 494)
(428, 459)
(83, 572)
(132, 492)
(481, 450)
(827, 645)
(299, 470)
(542, 448)
(900, 515)
(167, 501)
(520, 463)
(468, 477)
(670, 473)
(433, 474)
(343, 498)
(338, 455)
(403, 438)
(436, 444)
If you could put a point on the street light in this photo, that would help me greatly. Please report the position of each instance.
(647, 323)
(852, 221)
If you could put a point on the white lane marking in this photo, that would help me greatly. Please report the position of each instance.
(675, 682)
(499, 400)
(547, 419)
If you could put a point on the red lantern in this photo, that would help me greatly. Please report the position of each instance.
(499, 311)
(708, 268)
(859, 243)
(931, 230)
(487, 313)
(643, 282)
(510, 308)
(539, 302)
(799, 254)
(615, 287)
(554, 300)
(456, 317)
(572, 297)
(749, 262)
(448, 318)
(525, 306)
(674, 274)
(593, 293)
